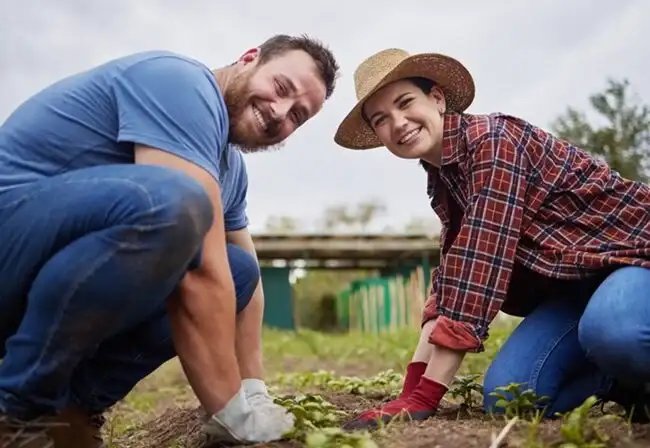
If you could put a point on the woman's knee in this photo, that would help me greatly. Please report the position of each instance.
(614, 330)
(496, 377)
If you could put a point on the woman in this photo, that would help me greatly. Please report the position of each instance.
(532, 226)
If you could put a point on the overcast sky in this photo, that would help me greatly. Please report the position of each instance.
(530, 59)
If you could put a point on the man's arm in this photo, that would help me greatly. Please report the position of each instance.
(202, 309)
(248, 338)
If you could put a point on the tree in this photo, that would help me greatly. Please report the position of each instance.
(281, 224)
(421, 225)
(623, 141)
(367, 211)
(358, 216)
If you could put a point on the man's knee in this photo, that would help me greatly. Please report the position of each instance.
(186, 205)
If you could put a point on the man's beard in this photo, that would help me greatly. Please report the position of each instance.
(236, 101)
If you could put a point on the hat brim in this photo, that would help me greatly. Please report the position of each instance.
(449, 75)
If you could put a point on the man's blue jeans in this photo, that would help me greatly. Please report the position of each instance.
(87, 261)
(577, 342)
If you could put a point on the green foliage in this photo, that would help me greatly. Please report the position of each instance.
(370, 352)
(623, 141)
(578, 430)
(338, 438)
(524, 404)
(316, 424)
(384, 384)
(311, 412)
(468, 390)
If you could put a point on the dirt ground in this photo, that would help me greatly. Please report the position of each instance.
(180, 427)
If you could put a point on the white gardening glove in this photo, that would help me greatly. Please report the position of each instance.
(258, 396)
(239, 422)
(256, 392)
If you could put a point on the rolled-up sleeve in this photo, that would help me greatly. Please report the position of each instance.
(472, 280)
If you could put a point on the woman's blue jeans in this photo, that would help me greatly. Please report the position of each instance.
(579, 341)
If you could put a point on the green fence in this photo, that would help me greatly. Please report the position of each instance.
(383, 304)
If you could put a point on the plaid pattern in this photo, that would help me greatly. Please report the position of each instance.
(507, 192)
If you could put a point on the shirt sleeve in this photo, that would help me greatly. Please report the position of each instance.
(473, 277)
(236, 217)
(171, 104)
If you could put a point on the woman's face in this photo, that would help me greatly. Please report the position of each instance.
(408, 121)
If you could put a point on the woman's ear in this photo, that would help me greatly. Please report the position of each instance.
(438, 97)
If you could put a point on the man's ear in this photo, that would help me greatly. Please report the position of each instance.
(250, 56)
(438, 96)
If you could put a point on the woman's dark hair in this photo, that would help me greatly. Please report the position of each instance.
(424, 84)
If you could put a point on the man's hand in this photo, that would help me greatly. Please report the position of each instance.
(257, 394)
(242, 422)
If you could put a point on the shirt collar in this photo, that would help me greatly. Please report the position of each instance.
(452, 139)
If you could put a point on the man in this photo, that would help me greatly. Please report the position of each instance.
(124, 240)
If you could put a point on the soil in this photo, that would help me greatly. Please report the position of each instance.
(180, 427)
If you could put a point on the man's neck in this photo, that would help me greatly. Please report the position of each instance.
(224, 75)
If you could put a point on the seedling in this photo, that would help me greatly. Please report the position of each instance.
(515, 402)
(337, 438)
(578, 430)
(468, 390)
(317, 421)
(384, 384)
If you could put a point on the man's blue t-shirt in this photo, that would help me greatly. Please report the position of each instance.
(158, 99)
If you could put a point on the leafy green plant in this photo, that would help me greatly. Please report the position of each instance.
(316, 424)
(337, 438)
(386, 383)
(578, 430)
(311, 412)
(468, 390)
(524, 404)
(319, 378)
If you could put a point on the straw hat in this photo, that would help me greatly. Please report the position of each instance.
(390, 65)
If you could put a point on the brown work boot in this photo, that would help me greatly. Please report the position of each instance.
(16, 433)
(78, 430)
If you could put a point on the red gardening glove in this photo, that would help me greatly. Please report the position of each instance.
(414, 372)
(421, 404)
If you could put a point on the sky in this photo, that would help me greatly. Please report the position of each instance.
(528, 59)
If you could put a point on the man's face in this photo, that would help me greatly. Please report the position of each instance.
(267, 102)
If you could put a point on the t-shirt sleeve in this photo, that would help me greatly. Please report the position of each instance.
(236, 217)
(171, 104)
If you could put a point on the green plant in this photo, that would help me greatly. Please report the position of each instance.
(578, 430)
(319, 378)
(337, 438)
(384, 384)
(316, 421)
(468, 390)
(311, 412)
(515, 402)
